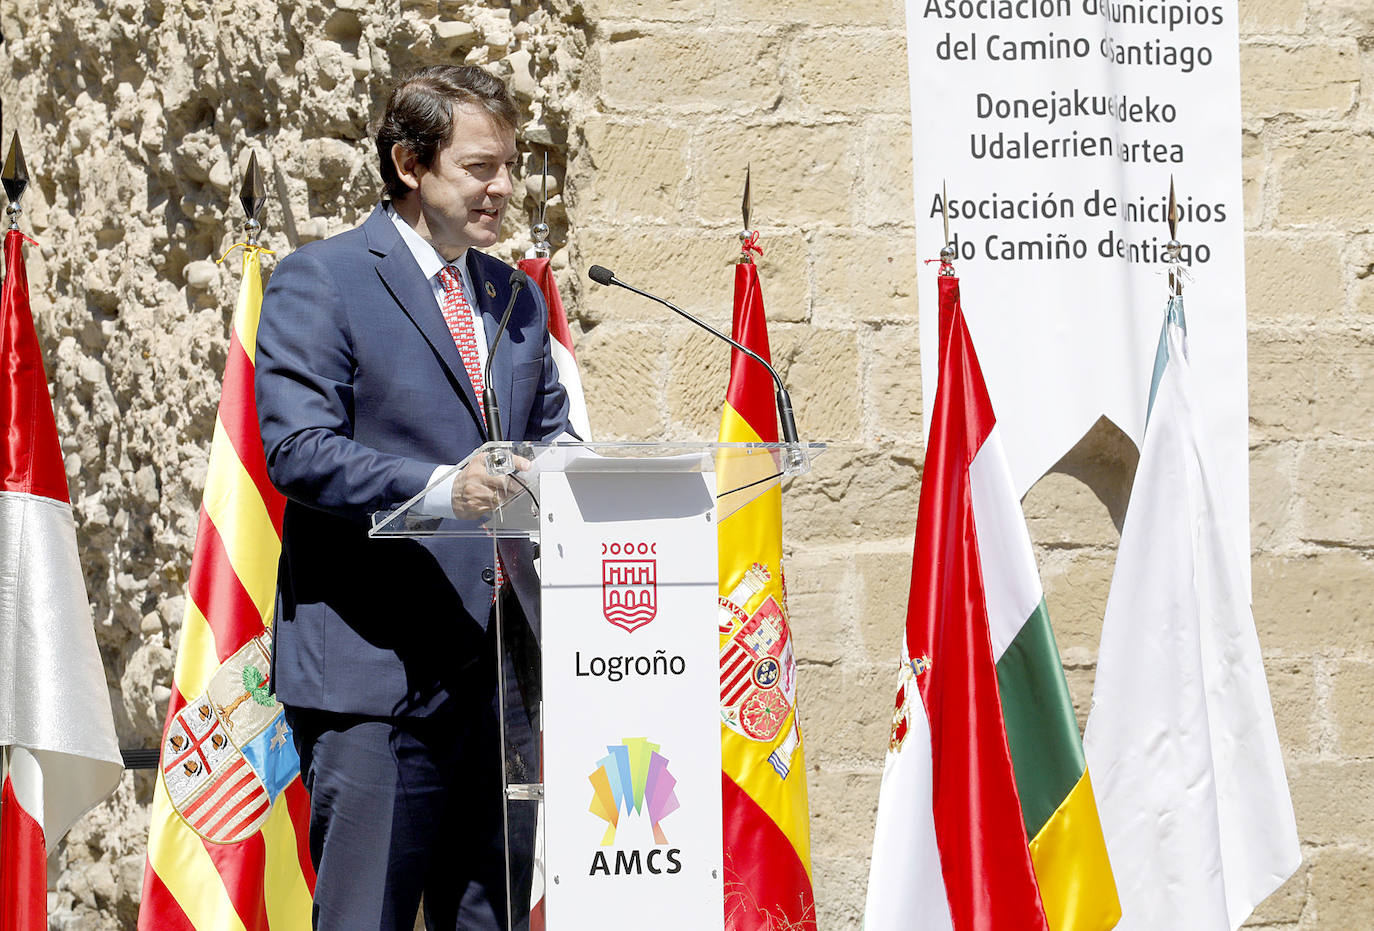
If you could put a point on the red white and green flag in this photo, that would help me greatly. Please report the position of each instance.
(986, 817)
(767, 835)
(58, 753)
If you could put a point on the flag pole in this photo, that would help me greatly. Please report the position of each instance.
(1173, 246)
(748, 239)
(253, 195)
(947, 252)
(539, 232)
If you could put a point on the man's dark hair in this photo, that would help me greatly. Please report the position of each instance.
(419, 114)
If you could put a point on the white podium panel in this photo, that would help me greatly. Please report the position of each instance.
(631, 694)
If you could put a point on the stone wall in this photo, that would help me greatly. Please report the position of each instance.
(137, 119)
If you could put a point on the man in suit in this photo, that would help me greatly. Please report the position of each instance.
(370, 357)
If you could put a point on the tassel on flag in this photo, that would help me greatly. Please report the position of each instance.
(228, 841)
(986, 815)
(57, 738)
(767, 833)
(1181, 737)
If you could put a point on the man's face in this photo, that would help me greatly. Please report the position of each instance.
(464, 193)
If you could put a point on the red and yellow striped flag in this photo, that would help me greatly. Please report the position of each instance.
(767, 830)
(228, 843)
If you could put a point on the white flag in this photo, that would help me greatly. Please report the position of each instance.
(1181, 740)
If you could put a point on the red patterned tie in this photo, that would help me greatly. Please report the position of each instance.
(458, 315)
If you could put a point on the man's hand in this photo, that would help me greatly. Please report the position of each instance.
(476, 491)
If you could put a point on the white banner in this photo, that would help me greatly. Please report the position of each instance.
(631, 701)
(1057, 125)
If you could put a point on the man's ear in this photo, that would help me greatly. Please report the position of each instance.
(407, 165)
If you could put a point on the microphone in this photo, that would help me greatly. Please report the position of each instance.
(796, 459)
(518, 280)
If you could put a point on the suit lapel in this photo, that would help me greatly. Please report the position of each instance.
(492, 295)
(414, 295)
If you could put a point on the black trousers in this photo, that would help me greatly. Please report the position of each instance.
(401, 807)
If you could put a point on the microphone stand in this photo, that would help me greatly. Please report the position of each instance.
(794, 455)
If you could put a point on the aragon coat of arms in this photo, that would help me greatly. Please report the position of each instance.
(228, 754)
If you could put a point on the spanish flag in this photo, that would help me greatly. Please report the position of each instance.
(767, 831)
(228, 842)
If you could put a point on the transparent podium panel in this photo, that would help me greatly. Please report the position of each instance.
(643, 511)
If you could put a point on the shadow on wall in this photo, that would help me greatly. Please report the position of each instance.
(1104, 460)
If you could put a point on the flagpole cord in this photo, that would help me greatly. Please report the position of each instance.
(248, 247)
(749, 242)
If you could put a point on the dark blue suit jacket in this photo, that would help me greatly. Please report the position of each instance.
(361, 394)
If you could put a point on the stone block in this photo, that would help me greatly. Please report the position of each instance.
(846, 713)
(854, 493)
(1285, 904)
(1341, 17)
(1253, 162)
(866, 276)
(698, 374)
(820, 602)
(1310, 603)
(1337, 506)
(1311, 381)
(884, 586)
(1306, 169)
(622, 370)
(1360, 258)
(652, 10)
(1269, 17)
(1293, 279)
(1292, 691)
(840, 884)
(803, 175)
(709, 69)
(844, 809)
(1062, 511)
(631, 171)
(694, 269)
(892, 384)
(1319, 80)
(1352, 705)
(819, 12)
(834, 73)
(1341, 878)
(821, 370)
(1076, 586)
(1273, 496)
(1325, 795)
(887, 174)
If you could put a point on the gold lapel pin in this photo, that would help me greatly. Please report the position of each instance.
(491, 289)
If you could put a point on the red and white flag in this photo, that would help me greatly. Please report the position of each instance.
(560, 343)
(57, 733)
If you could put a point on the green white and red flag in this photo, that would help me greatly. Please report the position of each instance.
(986, 817)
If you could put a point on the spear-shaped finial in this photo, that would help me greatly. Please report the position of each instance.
(1173, 246)
(15, 178)
(540, 231)
(252, 195)
(947, 253)
(747, 238)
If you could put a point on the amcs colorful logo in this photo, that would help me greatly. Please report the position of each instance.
(633, 777)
